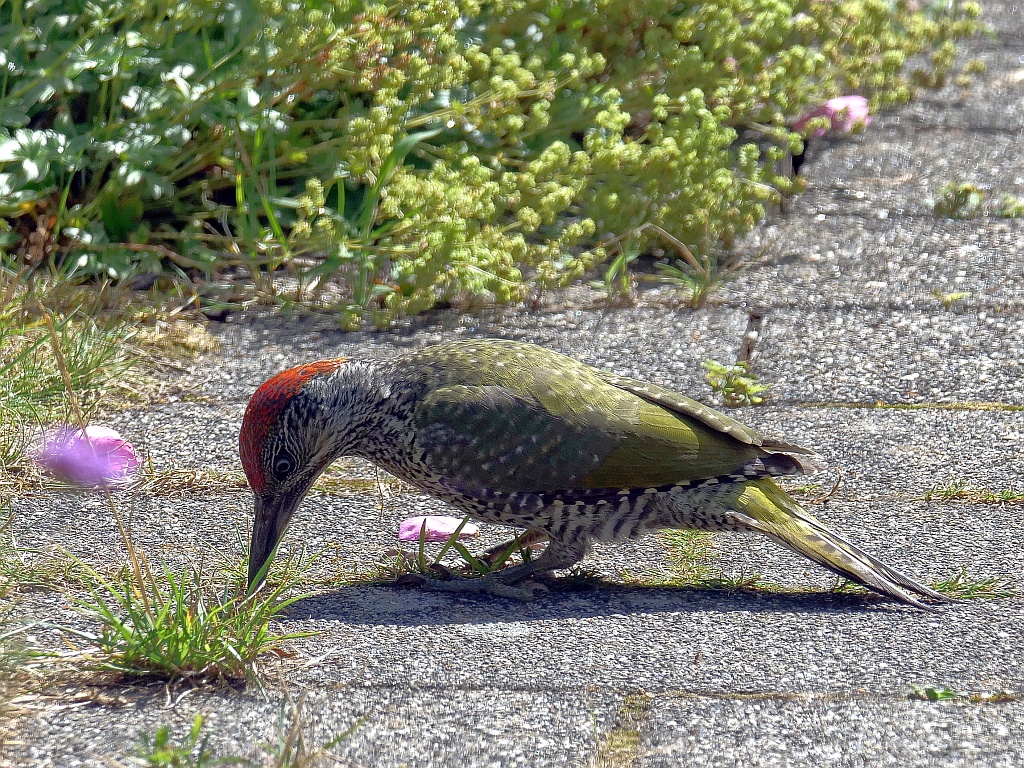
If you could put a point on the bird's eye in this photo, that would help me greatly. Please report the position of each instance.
(284, 465)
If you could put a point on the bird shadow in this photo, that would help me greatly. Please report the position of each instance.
(388, 604)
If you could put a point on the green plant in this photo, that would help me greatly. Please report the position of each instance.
(946, 693)
(961, 490)
(806, 489)
(964, 200)
(617, 281)
(12, 658)
(419, 562)
(620, 746)
(933, 693)
(166, 623)
(290, 748)
(960, 586)
(690, 555)
(682, 274)
(692, 562)
(954, 489)
(22, 568)
(735, 383)
(31, 385)
(389, 157)
(1010, 207)
(173, 625)
(949, 299)
(158, 751)
(353, 243)
(958, 200)
(699, 275)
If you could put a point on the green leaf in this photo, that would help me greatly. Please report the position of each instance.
(121, 215)
(391, 162)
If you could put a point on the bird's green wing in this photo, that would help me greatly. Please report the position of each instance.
(559, 425)
(690, 408)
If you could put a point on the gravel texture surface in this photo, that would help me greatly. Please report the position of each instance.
(868, 367)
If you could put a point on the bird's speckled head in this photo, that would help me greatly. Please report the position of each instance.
(263, 416)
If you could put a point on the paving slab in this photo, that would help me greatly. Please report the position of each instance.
(848, 299)
(847, 253)
(821, 730)
(407, 726)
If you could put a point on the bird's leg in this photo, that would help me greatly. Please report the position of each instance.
(524, 540)
(509, 582)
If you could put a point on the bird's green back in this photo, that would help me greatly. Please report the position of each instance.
(507, 416)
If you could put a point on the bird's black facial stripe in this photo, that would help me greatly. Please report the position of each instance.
(283, 464)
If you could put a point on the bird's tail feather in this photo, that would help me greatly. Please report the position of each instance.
(772, 512)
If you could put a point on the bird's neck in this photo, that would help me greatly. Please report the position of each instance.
(364, 410)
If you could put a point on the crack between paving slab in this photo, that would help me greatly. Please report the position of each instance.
(619, 746)
(1009, 308)
(1001, 697)
(877, 405)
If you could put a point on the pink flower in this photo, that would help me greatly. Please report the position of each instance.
(97, 456)
(438, 528)
(845, 113)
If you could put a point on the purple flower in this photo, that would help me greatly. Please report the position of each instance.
(844, 112)
(438, 528)
(96, 456)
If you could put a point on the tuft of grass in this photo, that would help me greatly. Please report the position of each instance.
(12, 658)
(177, 340)
(946, 693)
(32, 387)
(962, 406)
(961, 490)
(960, 586)
(806, 489)
(173, 625)
(1010, 207)
(958, 200)
(692, 562)
(27, 568)
(964, 200)
(735, 384)
(691, 555)
(284, 571)
(289, 749)
(420, 562)
(948, 299)
(103, 349)
(620, 746)
(19, 662)
(184, 481)
(954, 489)
(158, 751)
(932, 693)
(844, 586)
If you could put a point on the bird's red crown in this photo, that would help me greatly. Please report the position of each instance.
(266, 405)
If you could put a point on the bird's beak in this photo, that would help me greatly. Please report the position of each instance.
(272, 515)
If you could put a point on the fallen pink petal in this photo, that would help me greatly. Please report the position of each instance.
(438, 528)
(94, 457)
(844, 112)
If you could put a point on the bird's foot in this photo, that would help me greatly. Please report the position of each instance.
(530, 540)
(488, 584)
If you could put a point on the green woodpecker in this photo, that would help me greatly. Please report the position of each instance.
(516, 434)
